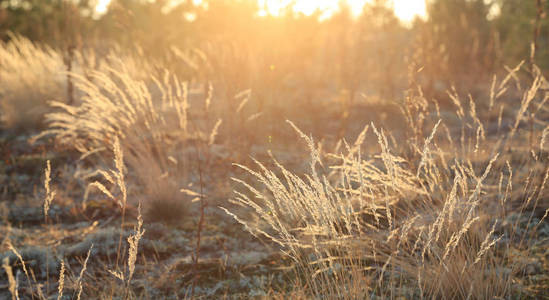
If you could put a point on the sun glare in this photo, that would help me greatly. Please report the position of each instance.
(102, 6)
(405, 10)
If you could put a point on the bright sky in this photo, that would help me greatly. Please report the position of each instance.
(405, 10)
(102, 6)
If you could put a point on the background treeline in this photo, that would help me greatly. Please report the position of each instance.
(225, 42)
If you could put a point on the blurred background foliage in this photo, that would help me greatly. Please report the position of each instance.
(225, 41)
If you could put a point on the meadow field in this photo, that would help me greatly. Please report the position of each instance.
(203, 150)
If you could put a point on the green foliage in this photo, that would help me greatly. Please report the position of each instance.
(458, 40)
(516, 24)
(52, 21)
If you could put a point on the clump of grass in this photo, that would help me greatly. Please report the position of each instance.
(391, 220)
(149, 116)
(379, 215)
(117, 177)
(31, 75)
(149, 121)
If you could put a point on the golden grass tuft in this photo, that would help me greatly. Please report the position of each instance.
(31, 75)
(371, 224)
(148, 117)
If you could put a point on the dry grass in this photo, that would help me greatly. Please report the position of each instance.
(371, 224)
(416, 213)
(149, 117)
(31, 76)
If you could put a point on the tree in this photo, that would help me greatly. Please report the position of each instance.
(516, 24)
(51, 21)
(457, 41)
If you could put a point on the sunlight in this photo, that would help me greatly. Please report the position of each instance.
(102, 6)
(276, 7)
(405, 10)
